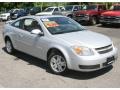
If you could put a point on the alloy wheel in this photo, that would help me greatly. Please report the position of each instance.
(58, 63)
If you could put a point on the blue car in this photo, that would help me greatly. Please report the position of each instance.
(18, 13)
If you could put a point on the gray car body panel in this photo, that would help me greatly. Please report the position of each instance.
(38, 46)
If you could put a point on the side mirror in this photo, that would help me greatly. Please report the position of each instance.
(37, 32)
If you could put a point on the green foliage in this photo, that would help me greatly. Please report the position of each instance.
(43, 5)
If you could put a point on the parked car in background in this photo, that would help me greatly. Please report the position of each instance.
(51, 11)
(35, 10)
(61, 42)
(18, 13)
(27, 10)
(7, 15)
(70, 10)
(112, 16)
(90, 13)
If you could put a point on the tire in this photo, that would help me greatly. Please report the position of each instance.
(57, 63)
(9, 47)
(104, 24)
(70, 16)
(93, 20)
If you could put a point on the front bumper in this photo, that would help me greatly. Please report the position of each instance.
(93, 63)
(116, 21)
(80, 19)
(3, 18)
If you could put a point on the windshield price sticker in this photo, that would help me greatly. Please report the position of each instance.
(51, 24)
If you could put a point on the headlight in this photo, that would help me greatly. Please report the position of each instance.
(117, 17)
(3, 15)
(83, 51)
(86, 15)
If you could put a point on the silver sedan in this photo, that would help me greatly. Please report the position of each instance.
(60, 41)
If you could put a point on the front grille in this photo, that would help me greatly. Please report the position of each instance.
(109, 18)
(81, 15)
(105, 49)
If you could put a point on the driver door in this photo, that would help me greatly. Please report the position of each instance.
(25, 40)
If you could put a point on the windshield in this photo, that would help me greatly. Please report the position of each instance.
(68, 8)
(115, 8)
(59, 25)
(90, 7)
(16, 11)
(48, 10)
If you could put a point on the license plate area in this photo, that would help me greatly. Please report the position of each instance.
(109, 61)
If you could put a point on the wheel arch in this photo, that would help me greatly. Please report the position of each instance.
(7, 37)
(70, 15)
(62, 51)
(10, 38)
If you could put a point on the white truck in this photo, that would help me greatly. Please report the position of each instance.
(6, 16)
(51, 11)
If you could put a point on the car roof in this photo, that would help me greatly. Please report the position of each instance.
(37, 17)
(42, 16)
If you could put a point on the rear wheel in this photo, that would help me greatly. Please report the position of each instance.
(9, 46)
(57, 63)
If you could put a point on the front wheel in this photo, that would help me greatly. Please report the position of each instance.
(57, 63)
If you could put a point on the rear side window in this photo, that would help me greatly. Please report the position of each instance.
(16, 24)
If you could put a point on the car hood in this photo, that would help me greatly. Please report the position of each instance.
(86, 11)
(85, 38)
(111, 13)
(65, 13)
(44, 13)
(5, 14)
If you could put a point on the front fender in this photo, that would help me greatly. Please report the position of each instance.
(64, 52)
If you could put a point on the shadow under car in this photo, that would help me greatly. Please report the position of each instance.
(71, 74)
